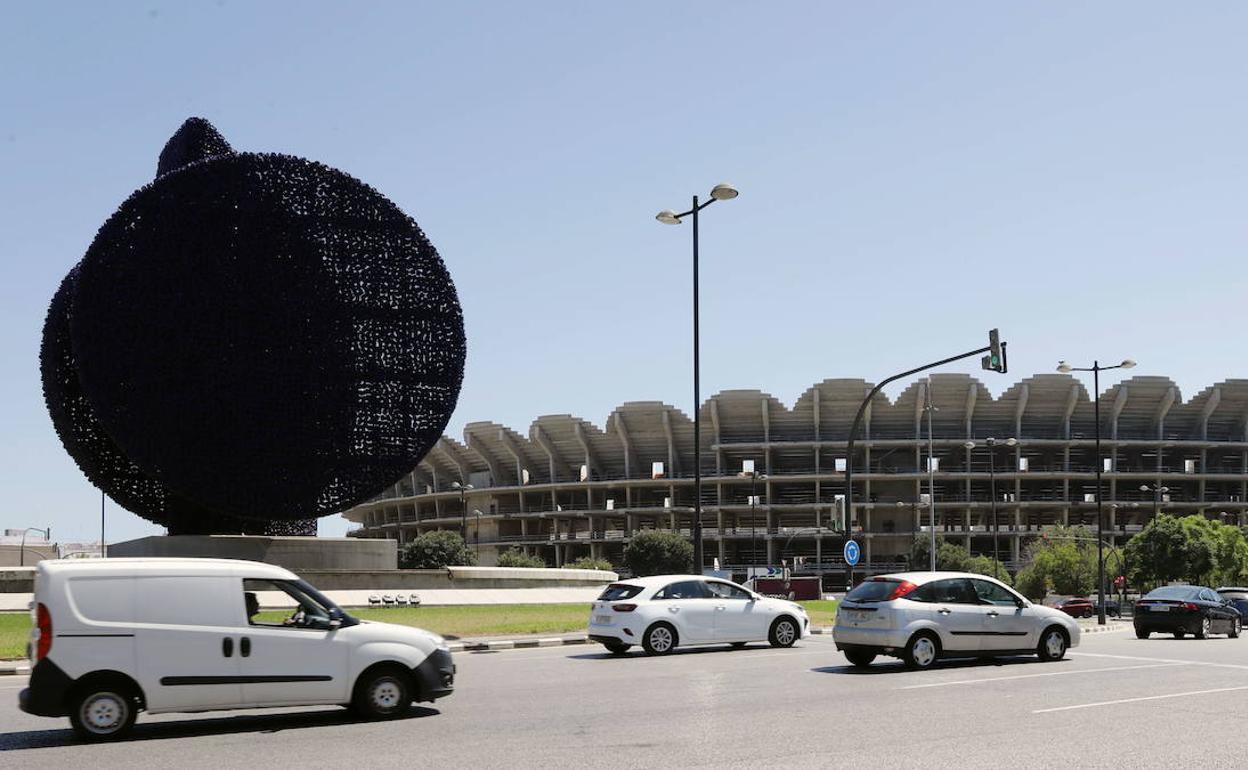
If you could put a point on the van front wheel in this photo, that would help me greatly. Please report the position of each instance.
(102, 713)
(382, 693)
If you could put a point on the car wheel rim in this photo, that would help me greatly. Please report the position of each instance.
(924, 652)
(104, 713)
(385, 694)
(661, 639)
(1055, 644)
(1205, 625)
(785, 633)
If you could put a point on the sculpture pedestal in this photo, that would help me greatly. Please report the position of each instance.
(293, 553)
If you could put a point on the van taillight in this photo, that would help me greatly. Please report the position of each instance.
(903, 588)
(623, 607)
(43, 620)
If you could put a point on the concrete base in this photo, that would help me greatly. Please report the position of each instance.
(293, 553)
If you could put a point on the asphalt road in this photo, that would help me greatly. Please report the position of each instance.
(1114, 702)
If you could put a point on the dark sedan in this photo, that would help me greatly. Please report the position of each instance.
(1182, 610)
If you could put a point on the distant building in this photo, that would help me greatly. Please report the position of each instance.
(571, 488)
(16, 549)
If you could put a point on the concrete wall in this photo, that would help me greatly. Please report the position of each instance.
(454, 578)
(294, 553)
(13, 555)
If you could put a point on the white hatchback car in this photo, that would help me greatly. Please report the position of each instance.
(664, 611)
(922, 616)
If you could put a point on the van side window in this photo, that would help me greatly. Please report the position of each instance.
(291, 606)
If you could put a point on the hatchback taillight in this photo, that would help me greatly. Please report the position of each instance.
(903, 588)
(623, 607)
(43, 621)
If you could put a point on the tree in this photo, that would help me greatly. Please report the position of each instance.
(588, 562)
(435, 550)
(658, 552)
(949, 556)
(1189, 548)
(514, 557)
(1030, 582)
(986, 565)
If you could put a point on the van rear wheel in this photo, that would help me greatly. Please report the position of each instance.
(384, 692)
(103, 713)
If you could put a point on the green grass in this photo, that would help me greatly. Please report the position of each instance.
(458, 621)
(14, 632)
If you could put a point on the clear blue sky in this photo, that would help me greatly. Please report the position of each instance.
(911, 175)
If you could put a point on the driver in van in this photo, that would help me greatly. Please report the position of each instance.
(253, 606)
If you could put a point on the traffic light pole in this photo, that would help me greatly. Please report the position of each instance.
(992, 350)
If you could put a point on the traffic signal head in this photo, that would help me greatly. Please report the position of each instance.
(995, 360)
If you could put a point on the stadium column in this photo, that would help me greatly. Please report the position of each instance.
(719, 523)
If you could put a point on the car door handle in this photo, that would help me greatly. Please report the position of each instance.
(673, 609)
(227, 647)
(993, 614)
(244, 647)
(720, 608)
(944, 611)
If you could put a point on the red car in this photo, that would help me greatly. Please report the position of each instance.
(1077, 608)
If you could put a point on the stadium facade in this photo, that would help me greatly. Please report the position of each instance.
(572, 488)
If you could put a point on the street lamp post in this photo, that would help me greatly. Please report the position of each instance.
(1096, 370)
(992, 492)
(464, 489)
(477, 536)
(21, 549)
(720, 192)
(1157, 491)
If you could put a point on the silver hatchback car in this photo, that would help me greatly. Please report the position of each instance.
(923, 616)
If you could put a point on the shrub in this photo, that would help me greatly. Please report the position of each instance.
(513, 557)
(949, 556)
(986, 565)
(435, 550)
(1030, 582)
(657, 552)
(588, 562)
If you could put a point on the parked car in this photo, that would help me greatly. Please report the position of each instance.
(1077, 607)
(663, 612)
(1182, 610)
(923, 616)
(113, 637)
(1238, 597)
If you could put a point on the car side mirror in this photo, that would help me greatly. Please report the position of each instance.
(335, 623)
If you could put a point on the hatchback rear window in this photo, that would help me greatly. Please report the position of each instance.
(617, 591)
(873, 591)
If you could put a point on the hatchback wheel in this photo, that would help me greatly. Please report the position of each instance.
(860, 658)
(102, 713)
(660, 639)
(783, 632)
(382, 693)
(1052, 644)
(921, 651)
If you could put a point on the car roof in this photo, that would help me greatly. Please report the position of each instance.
(656, 581)
(1232, 588)
(919, 578)
(152, 567)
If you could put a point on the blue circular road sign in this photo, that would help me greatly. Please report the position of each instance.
(852, 552)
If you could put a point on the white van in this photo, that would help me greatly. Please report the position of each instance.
(112, 637)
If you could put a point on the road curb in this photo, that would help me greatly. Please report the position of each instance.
(14, 670)
(493, 645)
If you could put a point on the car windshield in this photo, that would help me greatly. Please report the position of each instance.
(876, 590)
(1174, 592)
(617, 591)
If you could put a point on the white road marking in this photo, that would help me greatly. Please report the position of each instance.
(1159, 660)
(1137, 700)
(1032, 676)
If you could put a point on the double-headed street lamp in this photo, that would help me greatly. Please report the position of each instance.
(720, 192)
(992, 491)
(1157, 491)
(755, 477)
(464, 489)
(1096, 370)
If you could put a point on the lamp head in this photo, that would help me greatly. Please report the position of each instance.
(969, 445)
(1064, 367)
(1011, 442)
(1144, 487)
(724, 192)
(667, 217)
(1127, 364)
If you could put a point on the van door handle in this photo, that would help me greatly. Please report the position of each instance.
(244, 647)
(944, 611)
(227, 647)
(673, 609)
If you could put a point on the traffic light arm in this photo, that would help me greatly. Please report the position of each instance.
(862, 408)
